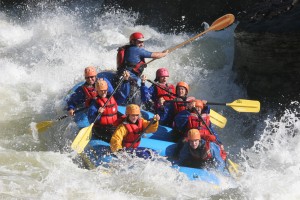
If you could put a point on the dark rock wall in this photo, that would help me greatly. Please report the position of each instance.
(267, 50)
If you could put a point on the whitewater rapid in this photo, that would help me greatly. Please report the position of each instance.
(43, 56)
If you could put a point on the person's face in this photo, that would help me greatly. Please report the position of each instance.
(194, 143)
(181, 91)
(199, 109)
(133, 118)
(102, 93)
(90, 79)
(191, 105)
(163, 79)
(139, 44)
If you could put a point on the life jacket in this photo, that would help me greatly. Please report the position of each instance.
(202, 152)
(90, 94)
(163, 93)
(179, 106)
(109, 116)
(134, 131)
(123, 65)
(195, 123)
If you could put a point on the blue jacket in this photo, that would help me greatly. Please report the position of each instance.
(134, 54)
(123, 94)
(148, 93)
(186, 158)
(167, 113)
(181, 122)
(78, 98)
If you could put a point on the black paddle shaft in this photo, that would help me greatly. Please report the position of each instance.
(171, 93)
(213, 103)
(121, 81)
(141, 133)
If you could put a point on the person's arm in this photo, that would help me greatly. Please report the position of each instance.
(165, 112)
(92, 112)
(145, 96)
(117, 138)
(184, 155)
(78, 97)
(181, 120)
(152, 128)
(206, 109)
(157, 55)
(122, 93)
(214, 133)
(216, 154)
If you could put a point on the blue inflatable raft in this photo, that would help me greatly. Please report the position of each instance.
(97, 151)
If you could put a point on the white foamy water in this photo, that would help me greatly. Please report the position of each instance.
(43, 57)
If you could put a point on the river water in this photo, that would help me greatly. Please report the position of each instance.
(43, 55)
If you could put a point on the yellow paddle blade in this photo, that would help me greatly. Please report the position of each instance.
(222, 22)
(82, 139)
(217, 119)
(233, 168)
(243, 105)
(43, 126)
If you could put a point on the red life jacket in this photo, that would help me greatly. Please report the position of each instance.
(195, 122)
(121, 64)
(90, 94)
(164, 94)
(109, 116)
(133, 133)
(179, 106)
(204, 154)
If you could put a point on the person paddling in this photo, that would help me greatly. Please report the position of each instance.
(128, 133)
(189, 119)
(199, 153)
(83, 95)
(168, 110)
(162, 89)
(131, 58)
(103, 127)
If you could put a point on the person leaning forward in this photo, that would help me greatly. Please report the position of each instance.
(103, 128)
(83, 95)
(198, 153)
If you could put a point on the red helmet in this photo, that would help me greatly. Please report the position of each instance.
(161, 72)
(137, 36)
(183, 84)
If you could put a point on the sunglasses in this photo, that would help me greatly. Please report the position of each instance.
(90, 77)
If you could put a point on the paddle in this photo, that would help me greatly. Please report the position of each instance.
(233, 168)
(85, 134)
(241, 105)
(152, 121)
(216, 118)
(44, 125)
(217, 25)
